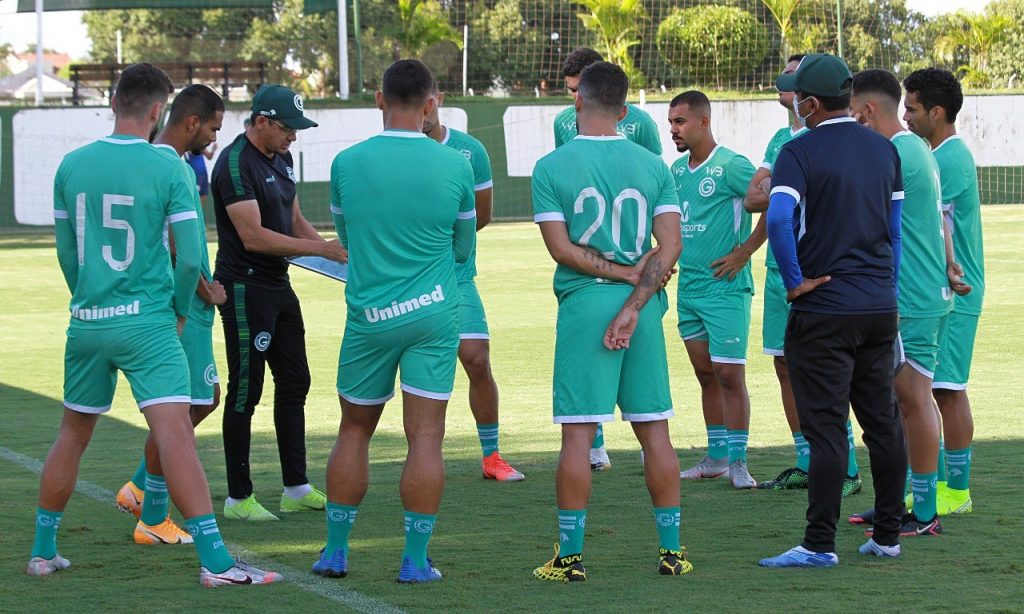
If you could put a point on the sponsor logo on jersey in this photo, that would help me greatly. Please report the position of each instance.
(103, 313)
(686, 228)
(466, 154)
(400, 308)
(270, 179)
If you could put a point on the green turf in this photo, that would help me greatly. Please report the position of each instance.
(489, 535)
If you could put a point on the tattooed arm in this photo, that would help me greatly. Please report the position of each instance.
(584, 259)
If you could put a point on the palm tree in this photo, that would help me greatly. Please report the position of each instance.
(617, 25)
(978, 34)
(421, 23)
(782, 11)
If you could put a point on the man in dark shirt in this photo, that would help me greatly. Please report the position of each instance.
(834, 226)
(259, 224)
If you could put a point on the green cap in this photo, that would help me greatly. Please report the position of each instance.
(282, 104)
(818, 74)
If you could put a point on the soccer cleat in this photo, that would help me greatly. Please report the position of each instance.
(952, 501)
(38, 566)
(707, 468)
(910, 526)
(248, 509)
(739, 476)
(867, 517)
(312, 501)
(562, 569)
(333, 566)
(599, 460)
(410, 574)
(164, 533)
(129, 499)
(240, 574)
(495, 468)
(852, 485)
(790, 479)
(673, 562)
(801, 557)
(872, 547)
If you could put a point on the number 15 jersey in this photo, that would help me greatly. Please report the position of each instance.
(607, 190)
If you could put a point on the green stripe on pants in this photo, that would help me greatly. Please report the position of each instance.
(243, 348)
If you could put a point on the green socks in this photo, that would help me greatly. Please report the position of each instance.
(45, 544)
(139, 479)
(851, 468)
(571, 524)
(488, 434)
(154, 504)
(737, 444)
(924, 487)
(666, 519)
(958, 463)
(213, 554)
(340, 519)
(942, 461)
(418, 529)
(803, 451)
(598, 438)
(718, 441)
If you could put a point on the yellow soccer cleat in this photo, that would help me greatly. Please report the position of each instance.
(164, 533)
(673, 562)
(562, 569)
(129, 499)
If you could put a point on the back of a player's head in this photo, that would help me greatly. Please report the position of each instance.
(603, 87)
(407, 83)
(195, 100)
(935, 87)
(140, 86)
(578, 59)
(796, 57)
(697, 101)
(880, 84)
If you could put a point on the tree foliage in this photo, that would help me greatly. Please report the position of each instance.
(616, 23)
(713, 45)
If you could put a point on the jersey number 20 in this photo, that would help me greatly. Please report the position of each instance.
(602, 205)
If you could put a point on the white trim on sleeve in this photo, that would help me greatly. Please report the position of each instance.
(174, 218)
(60, 214)
(549, 216)
(336, 210)
(898, 195)
(466, 215)
(483, 186)
(785, 189)
(667, 209)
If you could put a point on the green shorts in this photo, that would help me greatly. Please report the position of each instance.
(197, 341)
(956, 349)
(723, 320)
(590, 380)
(151, 358)
(472, 319)
(424, 351)
(776, 314)
(919, 343)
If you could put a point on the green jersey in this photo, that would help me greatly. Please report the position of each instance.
(475, 152)
(714, 220)
(637, 126)
(780, 138)
(607, 204)
(961, 205)
(113, 200)
(201, 311)
(924, 290)
(404, 207)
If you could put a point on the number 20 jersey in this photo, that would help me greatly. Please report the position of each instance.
(607, 190)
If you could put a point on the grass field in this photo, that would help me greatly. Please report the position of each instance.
(489, 536)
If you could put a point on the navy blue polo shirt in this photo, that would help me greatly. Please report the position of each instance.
(835, 210)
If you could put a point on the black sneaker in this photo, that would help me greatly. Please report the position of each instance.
(910, 526)
(790, 479)
(673, 562)
(867, 517)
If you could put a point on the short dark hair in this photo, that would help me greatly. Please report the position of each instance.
(605, 85)
(139, 87)
(935, 87)
(830, 103)
(697, 101)
(198, 100)
(878, 81)
(407, 83)
(578, 59)
(796, 57)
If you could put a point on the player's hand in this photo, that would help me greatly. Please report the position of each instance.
(731, 263)
(668, 276)
(807, 285)
(618, 333)
(637, 272)
(217, 294)
(334, 250)
(181, 325)
(955, 274)
(766, 186)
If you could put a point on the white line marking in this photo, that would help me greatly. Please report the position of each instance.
(303, 579)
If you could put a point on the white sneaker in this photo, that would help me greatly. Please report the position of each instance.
(739, 476)
(873, 547)
(241, 574)
(599, 459)
(38, 566)
(707, 468)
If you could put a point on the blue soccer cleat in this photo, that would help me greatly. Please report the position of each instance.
(410, 574)
(801, 557)
(333, 566)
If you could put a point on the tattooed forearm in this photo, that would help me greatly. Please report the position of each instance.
(597, 260)
(650, 282)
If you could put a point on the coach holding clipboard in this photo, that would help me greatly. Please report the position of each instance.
(834, 226)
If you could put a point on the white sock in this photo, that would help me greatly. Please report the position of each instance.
(230, 501)
(298, 492)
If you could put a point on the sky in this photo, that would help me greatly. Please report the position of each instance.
(64, 31)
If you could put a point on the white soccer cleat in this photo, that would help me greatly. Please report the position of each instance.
(38, 566)
(599, 459)
(707, 468)
(739, 476)
(239, 575)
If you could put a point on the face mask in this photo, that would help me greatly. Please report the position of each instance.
(796, 110)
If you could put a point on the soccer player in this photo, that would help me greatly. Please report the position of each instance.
(925, 291)
(259, 224)
(598, 200)
(636, 126)
(776, 310)
(113, 200)
(196, 116)
(405, 232)
(933, 100)
(834, 225)
(715, 284)
(474, 344)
